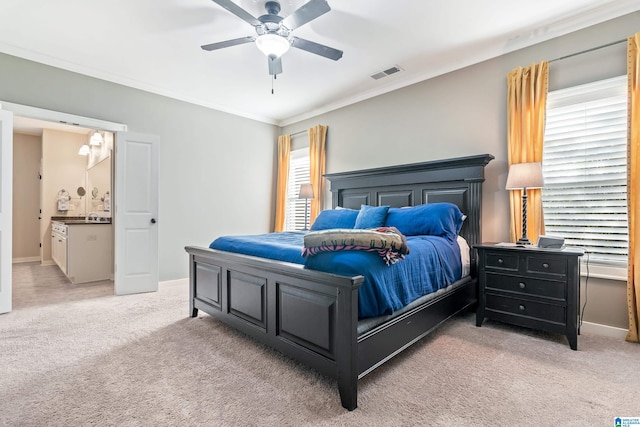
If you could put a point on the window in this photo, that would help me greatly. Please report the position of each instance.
(298, 174)
(585, 168)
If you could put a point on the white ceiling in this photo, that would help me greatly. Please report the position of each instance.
(155, 45)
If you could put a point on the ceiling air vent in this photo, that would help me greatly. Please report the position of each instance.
(386, 72)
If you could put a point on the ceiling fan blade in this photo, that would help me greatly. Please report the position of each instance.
(317, 48)
(275, 65)
(228, 43)
(307, 12)
(238, 11)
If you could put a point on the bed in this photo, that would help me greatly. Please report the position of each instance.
(312, 316)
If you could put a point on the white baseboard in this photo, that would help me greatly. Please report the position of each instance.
(184, 282)
(25, 259)
(604, 330)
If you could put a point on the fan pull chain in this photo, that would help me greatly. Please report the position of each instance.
(272, 81)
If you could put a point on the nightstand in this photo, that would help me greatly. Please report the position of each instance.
(531, 287)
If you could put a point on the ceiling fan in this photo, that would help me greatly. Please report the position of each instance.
(274, 32)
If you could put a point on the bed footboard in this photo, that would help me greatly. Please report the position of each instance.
(308, 315)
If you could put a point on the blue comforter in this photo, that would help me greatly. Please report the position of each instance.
(285, 246)
(433, 263)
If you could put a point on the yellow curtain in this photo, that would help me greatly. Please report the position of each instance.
(317, 155)
(284, 149)
(633, 160)
(526, 105)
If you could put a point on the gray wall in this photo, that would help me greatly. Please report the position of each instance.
(216, 173)
(464, 113)
(213, 175)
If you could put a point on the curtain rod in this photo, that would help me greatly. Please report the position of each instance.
(587, 50)
(300, 132)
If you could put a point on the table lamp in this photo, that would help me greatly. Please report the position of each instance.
(306, 193)
(521, 177)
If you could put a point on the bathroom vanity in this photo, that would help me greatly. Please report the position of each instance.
(83, 248)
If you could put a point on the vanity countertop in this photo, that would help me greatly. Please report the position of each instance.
(73, 220)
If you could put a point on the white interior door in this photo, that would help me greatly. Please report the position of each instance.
(6, 208)
(136, 213)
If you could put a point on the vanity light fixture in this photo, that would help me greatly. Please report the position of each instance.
(96, 138)
(84, 150)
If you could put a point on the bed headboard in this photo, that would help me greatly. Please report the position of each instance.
(458, 180)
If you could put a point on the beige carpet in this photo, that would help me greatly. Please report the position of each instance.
(141, 361)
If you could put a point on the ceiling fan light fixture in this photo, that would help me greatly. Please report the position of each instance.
(272, 44)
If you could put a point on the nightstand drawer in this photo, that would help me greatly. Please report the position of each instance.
(526, 286)
(526, 308)
(548, 265)
(501, 260)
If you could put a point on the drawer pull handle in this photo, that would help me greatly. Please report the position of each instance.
(522, 307)
(522, 285)
(500, 261)
(545, 265)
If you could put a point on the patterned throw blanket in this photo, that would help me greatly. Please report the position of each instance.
(387, 242)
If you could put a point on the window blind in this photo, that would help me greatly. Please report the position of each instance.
(585, 168)
(298, 174)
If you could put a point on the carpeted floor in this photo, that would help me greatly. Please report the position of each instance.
(139, 360)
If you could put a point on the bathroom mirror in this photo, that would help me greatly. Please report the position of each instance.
(99, 181)
(81, 191)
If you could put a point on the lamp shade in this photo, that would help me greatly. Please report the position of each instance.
(525, 175)
(306, 191)
(96, 138)
(84, 150)
(272, 44)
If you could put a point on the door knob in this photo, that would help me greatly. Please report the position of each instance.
(153, 220)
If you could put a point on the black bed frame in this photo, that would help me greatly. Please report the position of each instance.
(312, 316)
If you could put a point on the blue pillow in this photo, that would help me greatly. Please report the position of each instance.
(337, 218)
(371, 216)
(434, 219)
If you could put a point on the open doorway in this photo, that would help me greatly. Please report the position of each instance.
(134, 200)
(62, 232)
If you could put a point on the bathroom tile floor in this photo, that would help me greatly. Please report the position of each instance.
(39, 285)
